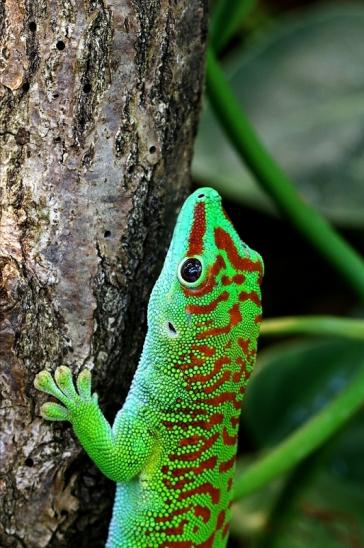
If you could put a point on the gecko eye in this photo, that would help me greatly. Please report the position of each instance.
(190, 270)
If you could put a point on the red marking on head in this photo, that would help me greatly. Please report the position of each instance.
(219, 363)
(228, 464)
(197, 361)
(206, 308)
(237, 279)
(206, 489)
(235, 318)
(237, 376)
(250, 296)
(205, 323)
(244, 344)
(241, 373)
(198, 230)
(194, 362)
(177, 530)
(208, 443)
(204, 349)
(208, 464)
(210, 282)
(224, 241)
(191, 440)
(227, 439)
(222, 380)
(202, 512)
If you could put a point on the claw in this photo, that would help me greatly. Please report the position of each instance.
(54, 412)
(84, 384)
(64, 380)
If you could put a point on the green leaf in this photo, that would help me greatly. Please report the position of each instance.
(302, 86)
(293, 382)
(329, 509)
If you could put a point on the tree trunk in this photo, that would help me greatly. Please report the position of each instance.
(99, 105)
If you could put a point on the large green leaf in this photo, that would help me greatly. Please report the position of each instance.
(301, 83)
(293, 382)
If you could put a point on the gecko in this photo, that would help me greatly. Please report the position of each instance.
(172, 447)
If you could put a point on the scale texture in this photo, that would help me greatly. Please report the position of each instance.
(172, 447)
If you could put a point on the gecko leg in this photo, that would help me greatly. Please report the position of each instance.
(121, 451)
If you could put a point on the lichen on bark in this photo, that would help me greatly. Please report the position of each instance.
(99, 103)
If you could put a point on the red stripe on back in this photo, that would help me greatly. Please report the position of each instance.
(228, 464)
(204, 489)
(209, 442)
(178, 512)
(208, 464)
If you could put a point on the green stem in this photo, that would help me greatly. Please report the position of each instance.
(226, 19)
(305, 440)
(314, 325)
(276, 183)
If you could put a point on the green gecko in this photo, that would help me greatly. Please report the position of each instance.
(172, 447)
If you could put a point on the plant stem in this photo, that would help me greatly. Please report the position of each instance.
(348, 328)
(276, 183)
(305, 439)
(226, 20)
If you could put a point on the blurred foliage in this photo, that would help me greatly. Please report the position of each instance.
(298, 75)
(295, 380)
(301, 83)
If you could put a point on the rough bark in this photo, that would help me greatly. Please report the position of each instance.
(99, 101)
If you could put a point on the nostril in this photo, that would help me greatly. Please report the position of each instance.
(171, 328)
(201, 196)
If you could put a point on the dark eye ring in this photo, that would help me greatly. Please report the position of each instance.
(190, 271)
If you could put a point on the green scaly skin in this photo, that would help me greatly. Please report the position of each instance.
(172, 447)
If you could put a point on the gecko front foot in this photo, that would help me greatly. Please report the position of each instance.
(62, 388)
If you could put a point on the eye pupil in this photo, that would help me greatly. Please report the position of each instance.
(191, 270)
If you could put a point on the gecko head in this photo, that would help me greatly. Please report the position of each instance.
(206, 268)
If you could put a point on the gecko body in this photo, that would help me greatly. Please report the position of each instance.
(172, 447)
